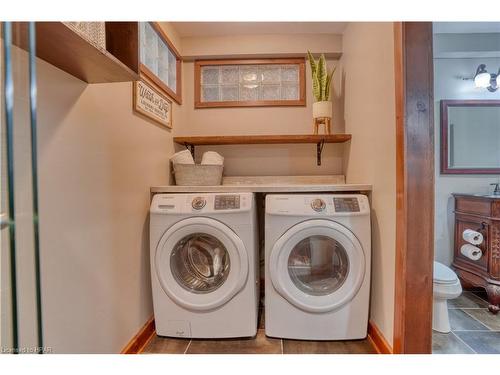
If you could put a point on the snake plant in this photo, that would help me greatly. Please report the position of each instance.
(321, 79)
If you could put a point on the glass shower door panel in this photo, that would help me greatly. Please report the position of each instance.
(20, 299)
(6, 341)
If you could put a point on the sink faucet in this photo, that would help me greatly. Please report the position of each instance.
(497, 188)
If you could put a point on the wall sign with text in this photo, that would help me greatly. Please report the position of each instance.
(151, 103)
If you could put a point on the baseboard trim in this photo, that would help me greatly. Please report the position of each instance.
(378, 340)
(141, 339)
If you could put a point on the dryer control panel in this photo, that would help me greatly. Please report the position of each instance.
(317, 204)
(342, 204)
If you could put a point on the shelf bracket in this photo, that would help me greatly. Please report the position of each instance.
(190, 147)
(319, 150)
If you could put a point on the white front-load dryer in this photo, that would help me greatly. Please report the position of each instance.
(204, 265)
(317, 282)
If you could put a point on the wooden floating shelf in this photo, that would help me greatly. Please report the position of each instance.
(318, 139)
(62, 47)
(262, 139)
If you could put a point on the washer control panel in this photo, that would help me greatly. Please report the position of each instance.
(350, 204)
(227, 202)
(202, 203)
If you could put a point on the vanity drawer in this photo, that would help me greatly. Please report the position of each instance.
(474, 206)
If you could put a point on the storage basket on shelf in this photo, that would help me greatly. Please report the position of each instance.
(93, 32)
(198, 175)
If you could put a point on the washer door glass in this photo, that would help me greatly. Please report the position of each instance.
(200, 263)
(318, 265)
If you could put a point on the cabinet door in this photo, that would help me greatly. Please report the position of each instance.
(461, 224)
(494, 247)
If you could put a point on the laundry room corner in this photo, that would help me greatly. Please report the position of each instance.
(97, 160)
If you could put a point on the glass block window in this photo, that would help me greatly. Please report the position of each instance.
(243, 83)
(160, 61)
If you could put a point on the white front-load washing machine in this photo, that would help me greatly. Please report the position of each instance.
(317, 282)
(204, 265)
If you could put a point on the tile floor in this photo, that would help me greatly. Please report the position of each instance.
(260, 344)
(473, 328)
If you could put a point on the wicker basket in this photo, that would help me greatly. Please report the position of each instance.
(93, 32)
(198, 175)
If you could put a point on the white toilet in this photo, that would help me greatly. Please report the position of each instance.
(446, 286)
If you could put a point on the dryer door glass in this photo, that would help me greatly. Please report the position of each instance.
(200, 263)
(318, 265)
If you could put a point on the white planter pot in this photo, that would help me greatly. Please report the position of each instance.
(322, 109)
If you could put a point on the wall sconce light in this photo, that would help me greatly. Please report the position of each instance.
(483, 79)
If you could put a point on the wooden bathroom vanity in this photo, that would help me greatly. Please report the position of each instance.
(480, 213)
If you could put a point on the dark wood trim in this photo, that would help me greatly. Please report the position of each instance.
(141, 339)
(145, 71)
(400, 183)
(296, 60)
(414, 187)
(378, 340)
(445, 104)
(197, 83)
(254, 103)
(122, 41)
(147, 74)
(166, 39)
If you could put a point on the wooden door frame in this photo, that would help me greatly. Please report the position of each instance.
(414, 187)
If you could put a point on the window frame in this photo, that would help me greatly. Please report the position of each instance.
(153, 78)
(251, 103)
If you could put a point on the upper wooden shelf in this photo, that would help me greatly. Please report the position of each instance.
(318, 139)
(261, 139)
(60, 46)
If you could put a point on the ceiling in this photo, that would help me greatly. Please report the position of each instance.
(196, 29)
(466, 27)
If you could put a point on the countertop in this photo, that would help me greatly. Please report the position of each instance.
(271, 184)
(478, 195)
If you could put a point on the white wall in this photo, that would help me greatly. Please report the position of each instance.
(369, 94)
(261, 45)
(244, 160)
(449, 85)
(97, 161)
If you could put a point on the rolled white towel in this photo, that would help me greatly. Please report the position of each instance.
(213, 158)
(182, 157)
(471, 251)
(473, 237)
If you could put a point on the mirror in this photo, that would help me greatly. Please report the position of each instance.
(470, 137)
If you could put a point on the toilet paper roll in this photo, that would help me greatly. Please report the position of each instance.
(182, 157)
(212, 157)
(473, 237)
(471, 252)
